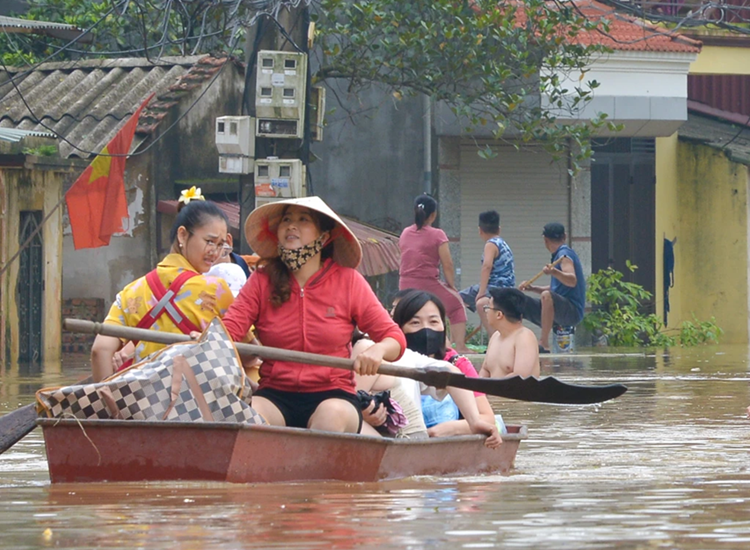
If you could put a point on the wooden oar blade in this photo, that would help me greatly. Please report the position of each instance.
(15, 425)
(545, 390)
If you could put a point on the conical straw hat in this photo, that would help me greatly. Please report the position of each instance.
(262, 223)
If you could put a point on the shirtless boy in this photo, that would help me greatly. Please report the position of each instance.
(513, 349)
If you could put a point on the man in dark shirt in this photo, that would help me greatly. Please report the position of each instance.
(563, 301)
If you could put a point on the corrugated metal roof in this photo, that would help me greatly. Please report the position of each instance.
(17, 22)
(380, 251)
(58, 30)
(14, 135)
(732, 139)
(87, 102)
(727, 92)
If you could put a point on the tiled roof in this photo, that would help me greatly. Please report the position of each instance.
(627, 33)
(380, 251)
(88, 101)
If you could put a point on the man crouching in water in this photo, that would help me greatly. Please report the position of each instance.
(513, 349)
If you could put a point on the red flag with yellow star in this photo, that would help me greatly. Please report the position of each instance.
(96, 202)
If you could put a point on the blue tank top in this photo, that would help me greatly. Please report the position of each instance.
(503, 270)
(576, 294)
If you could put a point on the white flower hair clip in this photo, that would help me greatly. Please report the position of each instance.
(192, 194)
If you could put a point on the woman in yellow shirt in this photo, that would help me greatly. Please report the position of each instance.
(176, 296)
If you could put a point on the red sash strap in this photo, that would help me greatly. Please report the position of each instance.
(166, 304)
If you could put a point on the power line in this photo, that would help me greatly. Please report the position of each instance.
(74, 41)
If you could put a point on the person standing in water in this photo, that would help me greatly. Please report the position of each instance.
(513, 348)
(423, 250)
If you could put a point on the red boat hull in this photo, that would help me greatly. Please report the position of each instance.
(116, 450)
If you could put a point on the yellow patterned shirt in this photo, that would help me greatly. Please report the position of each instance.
(200, 299)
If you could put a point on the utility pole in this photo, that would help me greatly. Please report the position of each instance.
(267, 35)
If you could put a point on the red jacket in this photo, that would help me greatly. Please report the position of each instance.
(317, 319)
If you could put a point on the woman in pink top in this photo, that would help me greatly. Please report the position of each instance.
(423, 249)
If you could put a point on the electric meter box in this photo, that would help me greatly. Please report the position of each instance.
(279, 178)
(235, 164)
(280, 99)
(235, 135)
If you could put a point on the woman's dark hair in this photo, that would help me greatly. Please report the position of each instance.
(195, 214)
(279, 274)
(401, 293)
(411, 303)
(424, 206)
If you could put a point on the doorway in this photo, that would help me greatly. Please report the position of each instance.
(623, 208)
(30, 287)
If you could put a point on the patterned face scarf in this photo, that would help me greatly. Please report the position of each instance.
(296, 258)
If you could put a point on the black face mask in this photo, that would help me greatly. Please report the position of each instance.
(426, 341)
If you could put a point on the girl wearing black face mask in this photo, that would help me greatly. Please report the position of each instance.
(421, 316)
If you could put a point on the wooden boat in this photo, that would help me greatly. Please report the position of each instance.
(119, 450)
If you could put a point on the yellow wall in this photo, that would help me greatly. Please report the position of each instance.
(33, 190)
(703, 201)
(667, 218)
(721, 60)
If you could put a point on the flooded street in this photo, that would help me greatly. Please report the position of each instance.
(665, 466)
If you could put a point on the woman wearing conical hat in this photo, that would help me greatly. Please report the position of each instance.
(306, 295)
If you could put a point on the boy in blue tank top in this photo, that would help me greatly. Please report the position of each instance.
(498, 269)
(563, 301)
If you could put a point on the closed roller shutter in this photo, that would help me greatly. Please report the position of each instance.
(528, 189)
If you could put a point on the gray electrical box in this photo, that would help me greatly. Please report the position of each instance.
(280, 97)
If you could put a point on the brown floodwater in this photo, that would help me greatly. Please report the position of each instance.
(665, 466)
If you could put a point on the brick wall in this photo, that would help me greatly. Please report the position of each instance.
(90, 309)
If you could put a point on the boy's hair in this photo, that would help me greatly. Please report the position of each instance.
(508, 300)
(489, 222)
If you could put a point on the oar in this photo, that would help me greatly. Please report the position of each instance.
(15, 425)
(546, 390)
(535, 277)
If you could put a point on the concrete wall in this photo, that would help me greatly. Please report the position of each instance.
(702, 199)
(667, 223)
(579, 222)
(370, 167)
(449, 197)
(712, 261)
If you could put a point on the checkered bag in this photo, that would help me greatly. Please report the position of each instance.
(199, 381)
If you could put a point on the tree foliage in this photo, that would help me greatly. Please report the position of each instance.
(508, 66)
(130, 28)
(501, 65)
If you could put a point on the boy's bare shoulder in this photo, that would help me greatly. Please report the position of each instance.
(526, 338)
